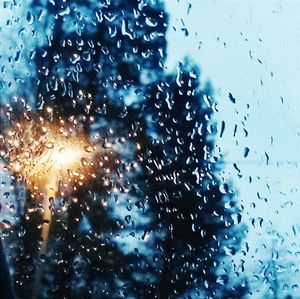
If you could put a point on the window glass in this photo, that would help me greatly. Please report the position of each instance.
(149, 149)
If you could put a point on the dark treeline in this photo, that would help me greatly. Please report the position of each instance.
(161, 224)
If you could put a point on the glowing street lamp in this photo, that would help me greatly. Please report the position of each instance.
(52, 157)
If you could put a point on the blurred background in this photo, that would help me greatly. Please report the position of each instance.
(193, 105)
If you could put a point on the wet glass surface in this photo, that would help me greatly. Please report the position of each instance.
(149, 149)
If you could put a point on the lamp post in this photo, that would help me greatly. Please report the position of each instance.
(62, 162)
(54, 158)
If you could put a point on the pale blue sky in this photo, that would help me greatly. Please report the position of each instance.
(251, 49)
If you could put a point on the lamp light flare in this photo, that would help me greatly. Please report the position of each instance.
(65, 156)
(53, 156)
(45, 153)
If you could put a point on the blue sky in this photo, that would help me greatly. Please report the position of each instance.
(251, 49)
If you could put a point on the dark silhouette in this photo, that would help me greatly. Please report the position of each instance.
(87, 58)
(101, 63)
(6, 291)
(192, 211)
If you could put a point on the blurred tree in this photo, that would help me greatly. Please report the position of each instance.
(193, 214)
(89, 56)
(103, 63)
(97, 51)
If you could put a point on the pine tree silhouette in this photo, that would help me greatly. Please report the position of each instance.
(192, 211)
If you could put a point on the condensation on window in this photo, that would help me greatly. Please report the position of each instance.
(148, 149)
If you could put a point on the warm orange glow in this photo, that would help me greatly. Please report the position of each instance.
(49, 154)
(53, 155)
(65, 156)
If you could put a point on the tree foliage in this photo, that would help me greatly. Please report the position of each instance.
(102, 62)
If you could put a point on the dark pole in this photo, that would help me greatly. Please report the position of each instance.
(6, 291)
